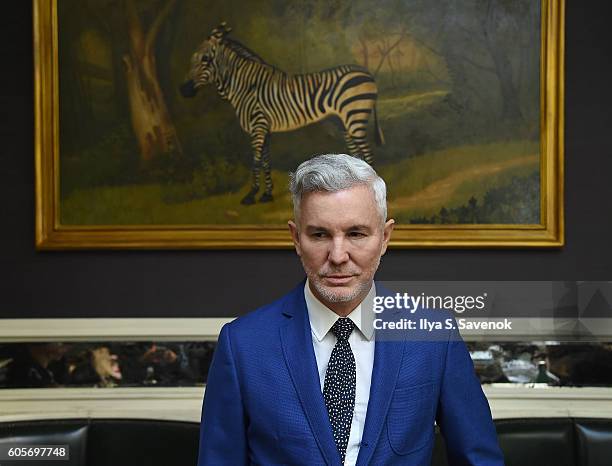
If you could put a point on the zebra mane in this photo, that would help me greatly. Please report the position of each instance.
(243, 51)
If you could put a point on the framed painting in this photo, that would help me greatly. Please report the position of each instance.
(176, 123)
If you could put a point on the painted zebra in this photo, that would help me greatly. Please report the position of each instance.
(268, 100)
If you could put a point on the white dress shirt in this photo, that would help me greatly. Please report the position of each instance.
(362, 344)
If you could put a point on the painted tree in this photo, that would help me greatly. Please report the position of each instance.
(485, 44)
(493, 28)
(151, 121)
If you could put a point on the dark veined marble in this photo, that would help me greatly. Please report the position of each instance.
(175, 364)
(104, 364)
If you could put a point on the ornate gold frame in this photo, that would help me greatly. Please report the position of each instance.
(50, 234)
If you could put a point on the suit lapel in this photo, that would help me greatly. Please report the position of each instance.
(387, 361)
(299, 355)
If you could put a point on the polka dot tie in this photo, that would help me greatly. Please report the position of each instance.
(339, 386)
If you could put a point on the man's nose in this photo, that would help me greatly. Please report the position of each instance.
(338, 252)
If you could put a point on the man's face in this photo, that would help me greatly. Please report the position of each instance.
(340, 238)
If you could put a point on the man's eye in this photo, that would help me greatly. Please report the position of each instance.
(356, 234)
(319, 234)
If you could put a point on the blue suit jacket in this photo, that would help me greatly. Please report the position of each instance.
(263, 403)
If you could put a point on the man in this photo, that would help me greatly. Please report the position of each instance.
(306, 381)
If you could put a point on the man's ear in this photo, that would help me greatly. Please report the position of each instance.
(295, 236)
(388, 228)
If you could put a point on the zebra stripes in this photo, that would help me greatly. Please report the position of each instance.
(267, 100)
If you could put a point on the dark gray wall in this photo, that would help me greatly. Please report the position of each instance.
(219, 283)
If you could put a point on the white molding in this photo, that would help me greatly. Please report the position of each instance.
(185, 403)
(164, 329)
(539, 400)
(177, 404)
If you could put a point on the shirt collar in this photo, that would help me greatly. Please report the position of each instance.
(323, 318)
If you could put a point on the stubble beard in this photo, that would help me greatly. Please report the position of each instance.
(329, 295)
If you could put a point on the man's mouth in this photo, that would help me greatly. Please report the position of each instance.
(338, 279)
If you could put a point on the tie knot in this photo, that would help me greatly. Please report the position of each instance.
(342, 328)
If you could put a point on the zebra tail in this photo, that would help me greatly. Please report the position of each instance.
(378, 136)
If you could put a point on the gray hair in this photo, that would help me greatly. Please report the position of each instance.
(336, 172)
